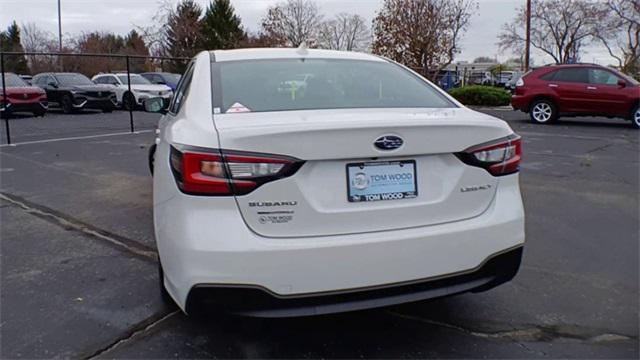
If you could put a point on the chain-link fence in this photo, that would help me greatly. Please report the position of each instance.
(58, 95)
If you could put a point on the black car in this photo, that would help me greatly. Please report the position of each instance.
(73, 92)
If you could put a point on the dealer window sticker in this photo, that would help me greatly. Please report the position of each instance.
(237, 108)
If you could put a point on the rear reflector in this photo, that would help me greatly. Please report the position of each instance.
(216, 172)
(498, 157)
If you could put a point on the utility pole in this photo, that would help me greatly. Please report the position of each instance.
(527, 45)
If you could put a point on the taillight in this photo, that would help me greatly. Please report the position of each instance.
(222, 172)
(498, 157)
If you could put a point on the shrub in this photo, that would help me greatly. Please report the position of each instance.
(481, 95)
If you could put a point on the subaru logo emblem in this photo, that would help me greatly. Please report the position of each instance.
(388, 142)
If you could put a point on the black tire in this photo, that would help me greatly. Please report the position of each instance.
(39, 113)
(635, 117)
(128, 101)
(107, 110)
(152, 157)
(543, 111)
(66, 104)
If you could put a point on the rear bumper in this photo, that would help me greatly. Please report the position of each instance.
(519, 102)
(260, 302)
(204, 242)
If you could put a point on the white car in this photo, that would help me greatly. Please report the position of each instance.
(141, 89)
(371, 187)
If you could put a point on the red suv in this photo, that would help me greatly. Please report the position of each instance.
(576, 90)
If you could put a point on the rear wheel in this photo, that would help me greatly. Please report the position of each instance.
(128, 101)
(543, 112)
(635, 117)
(66, 104)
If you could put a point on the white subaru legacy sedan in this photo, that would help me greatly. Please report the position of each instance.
(293, 182)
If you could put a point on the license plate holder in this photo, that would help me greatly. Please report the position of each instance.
(382, 180)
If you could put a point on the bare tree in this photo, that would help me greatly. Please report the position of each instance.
(559, 28)
(35, 39)
(154, 34)
(176, 32)
(422, 33)
(620, 33)
(345, 32)
(258, 40)
(292, 22)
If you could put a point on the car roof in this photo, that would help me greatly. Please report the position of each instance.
(60, 73)
(54, 74)
(572, 65)
(120, 74)
(289, 53)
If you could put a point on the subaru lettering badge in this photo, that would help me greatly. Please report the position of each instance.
(388, 142)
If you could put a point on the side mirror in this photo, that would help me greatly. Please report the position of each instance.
(53, 85)
(622, 83)
(160, 82)
(155, 105)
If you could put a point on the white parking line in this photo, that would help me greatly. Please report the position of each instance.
(76, 138)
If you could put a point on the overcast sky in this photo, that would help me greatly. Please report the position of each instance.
(120, 16)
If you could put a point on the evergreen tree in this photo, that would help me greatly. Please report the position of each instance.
(183, 33)
(134, 45)
(221, 27)
(10, 42)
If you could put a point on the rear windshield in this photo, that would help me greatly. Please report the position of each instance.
(12, 80)
(308, 84)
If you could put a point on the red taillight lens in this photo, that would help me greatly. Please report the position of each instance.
(221, 172)
(499, 157)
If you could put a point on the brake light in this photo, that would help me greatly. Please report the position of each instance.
(498, 157)
(222, 172)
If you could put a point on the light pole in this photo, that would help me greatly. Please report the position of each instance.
(59, 28)
(60, 37)
(527, 44)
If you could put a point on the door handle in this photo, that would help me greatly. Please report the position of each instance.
(592, 88)
(553, 85)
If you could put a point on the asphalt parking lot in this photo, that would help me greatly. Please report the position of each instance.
(78, 264)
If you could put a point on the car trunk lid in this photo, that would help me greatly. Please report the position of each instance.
(314, 201)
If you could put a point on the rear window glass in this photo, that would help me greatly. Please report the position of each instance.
(307, 84)
(577, 75)
(548, 76)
